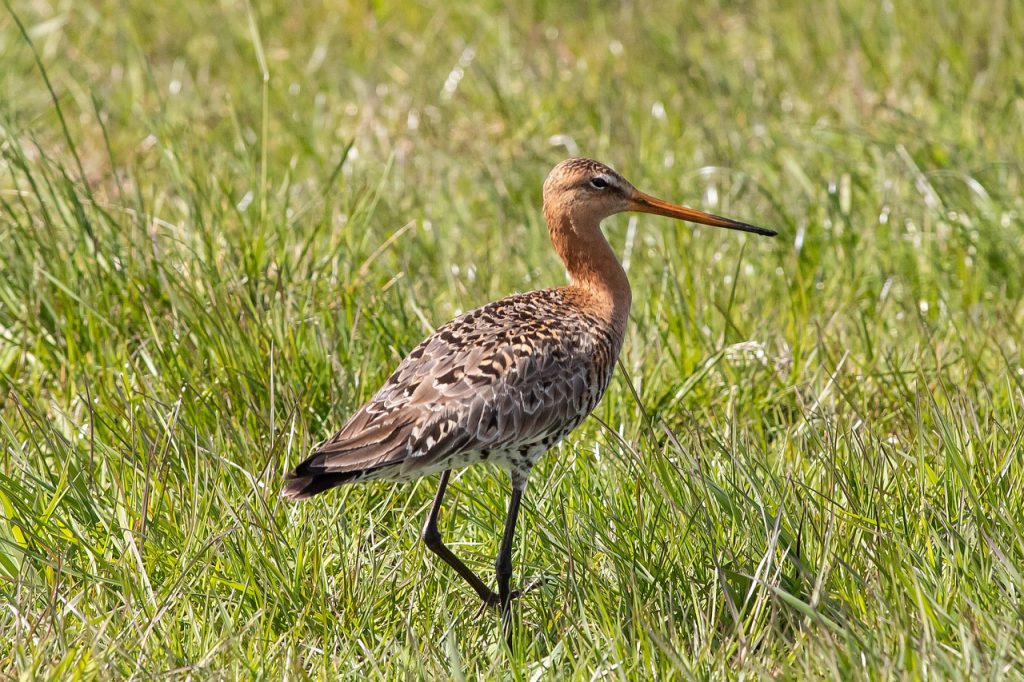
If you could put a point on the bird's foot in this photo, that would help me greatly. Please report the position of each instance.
(493, 600)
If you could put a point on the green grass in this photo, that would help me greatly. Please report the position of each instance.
(221, 226)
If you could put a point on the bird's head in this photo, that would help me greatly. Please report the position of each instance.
(588, 191)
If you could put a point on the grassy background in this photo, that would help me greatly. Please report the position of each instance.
(222, 224)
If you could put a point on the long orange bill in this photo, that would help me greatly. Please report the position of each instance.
(645, 203)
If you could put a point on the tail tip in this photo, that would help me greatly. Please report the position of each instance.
(297, 489)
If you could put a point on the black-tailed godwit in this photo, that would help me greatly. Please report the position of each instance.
(506, 382)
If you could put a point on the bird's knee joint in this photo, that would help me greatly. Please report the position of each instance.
(431, 537)
(503, 567)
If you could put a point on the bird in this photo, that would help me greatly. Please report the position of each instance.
(506, 382)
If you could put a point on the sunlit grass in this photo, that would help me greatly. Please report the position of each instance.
(808, 465)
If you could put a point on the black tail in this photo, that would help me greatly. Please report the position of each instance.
(311, 478)
(302, 487)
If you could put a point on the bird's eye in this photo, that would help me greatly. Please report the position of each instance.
(599, 183)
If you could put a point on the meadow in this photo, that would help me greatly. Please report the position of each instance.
(223, 223)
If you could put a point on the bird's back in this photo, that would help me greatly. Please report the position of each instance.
(503, 382)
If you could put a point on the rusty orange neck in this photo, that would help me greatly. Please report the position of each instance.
(593, 268)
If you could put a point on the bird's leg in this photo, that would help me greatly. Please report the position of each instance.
(503, 565)
(432, 539)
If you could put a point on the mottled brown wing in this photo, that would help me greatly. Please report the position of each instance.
(503, 376)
